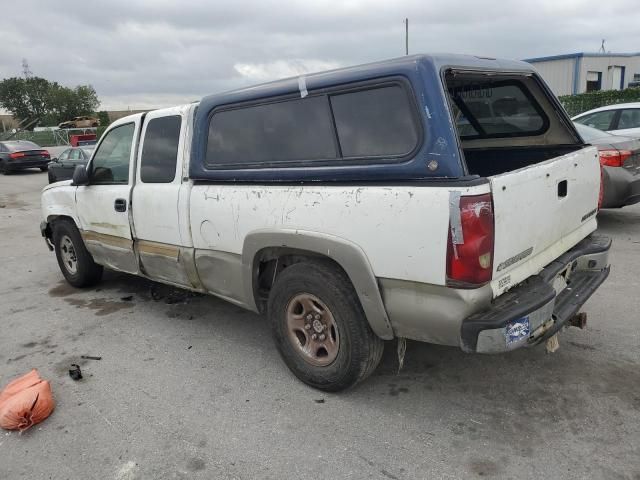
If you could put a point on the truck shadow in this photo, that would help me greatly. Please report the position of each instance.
(517, 400)
(618, 221)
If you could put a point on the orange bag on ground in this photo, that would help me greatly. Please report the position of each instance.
(20, 383)
(25, 401)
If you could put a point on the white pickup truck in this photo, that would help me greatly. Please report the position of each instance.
(445, 199)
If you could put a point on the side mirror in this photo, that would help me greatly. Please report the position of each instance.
(54, 159)
(80, 176)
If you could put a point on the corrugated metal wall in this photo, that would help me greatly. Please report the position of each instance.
(567, 76)
(558, 74)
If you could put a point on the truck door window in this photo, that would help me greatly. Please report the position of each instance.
(110, 164)
(377, 122)
(160, 150)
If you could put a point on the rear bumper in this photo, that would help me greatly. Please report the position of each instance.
(22, 164)
(541, 305)
(621, 187)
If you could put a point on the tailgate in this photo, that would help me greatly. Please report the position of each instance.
(540, 212)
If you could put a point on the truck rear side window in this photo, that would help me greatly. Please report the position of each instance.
(286, 131)
(160, 150)
(375, 122)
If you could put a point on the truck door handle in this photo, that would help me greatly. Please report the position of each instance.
(120, 205)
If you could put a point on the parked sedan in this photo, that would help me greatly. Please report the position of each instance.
(620, 119)
(20, 155)
(620, 160)
(62, 168)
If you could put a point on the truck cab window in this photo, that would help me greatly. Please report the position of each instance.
(160, 150)
(111, 162)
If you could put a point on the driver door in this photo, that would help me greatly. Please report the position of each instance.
(103, 205)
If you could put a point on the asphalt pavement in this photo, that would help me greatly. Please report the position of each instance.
(192, 387)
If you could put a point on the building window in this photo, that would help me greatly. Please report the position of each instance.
(594, 81)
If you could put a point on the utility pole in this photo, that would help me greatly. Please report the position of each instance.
(406, 36)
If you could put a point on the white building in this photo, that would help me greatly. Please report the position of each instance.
(585, 72)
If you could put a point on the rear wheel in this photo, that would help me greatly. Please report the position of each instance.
(4, 169)
(74, 260)
(319, 327)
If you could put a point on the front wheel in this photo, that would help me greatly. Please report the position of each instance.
(74, 260)
(320, 328)
(44, 169)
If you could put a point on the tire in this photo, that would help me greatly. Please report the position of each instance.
(83, 271)
(51, 176)
(352, 350)
(4, 169)
(44, 169)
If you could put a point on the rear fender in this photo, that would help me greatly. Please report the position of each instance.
(348, 255)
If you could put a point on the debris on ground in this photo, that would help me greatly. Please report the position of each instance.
(318, 400)
(552, 344)
(171, 295)
(90, 357)
(128, 298)
(75, 373)
(25, 401)
(402, 350)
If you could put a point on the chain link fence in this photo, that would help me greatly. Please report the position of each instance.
(52, 138)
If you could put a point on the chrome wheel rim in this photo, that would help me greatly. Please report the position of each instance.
(68, 254)
(312, 329)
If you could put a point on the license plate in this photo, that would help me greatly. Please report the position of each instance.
(517, 329)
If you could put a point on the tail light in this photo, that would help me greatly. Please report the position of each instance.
(611, 157)
(470, 242)
(45, 154)
(17, 155)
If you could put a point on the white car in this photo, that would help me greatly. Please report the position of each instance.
(620, 119)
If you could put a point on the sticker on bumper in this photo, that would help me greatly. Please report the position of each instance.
(516, 330)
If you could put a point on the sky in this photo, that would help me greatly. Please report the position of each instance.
(141, 54)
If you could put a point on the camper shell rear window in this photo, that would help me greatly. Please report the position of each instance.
(492, 108)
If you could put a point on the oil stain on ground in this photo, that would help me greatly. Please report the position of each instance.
(11, 201)
(63, 290)
(102, 306)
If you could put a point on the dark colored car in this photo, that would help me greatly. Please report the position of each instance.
(22, 154)
(62, 168)
(620, 160)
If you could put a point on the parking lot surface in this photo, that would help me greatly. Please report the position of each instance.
(192, 387)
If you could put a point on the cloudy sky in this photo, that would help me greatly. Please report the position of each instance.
(152, 53)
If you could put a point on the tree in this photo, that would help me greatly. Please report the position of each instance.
(49, 102)
(103, 116)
